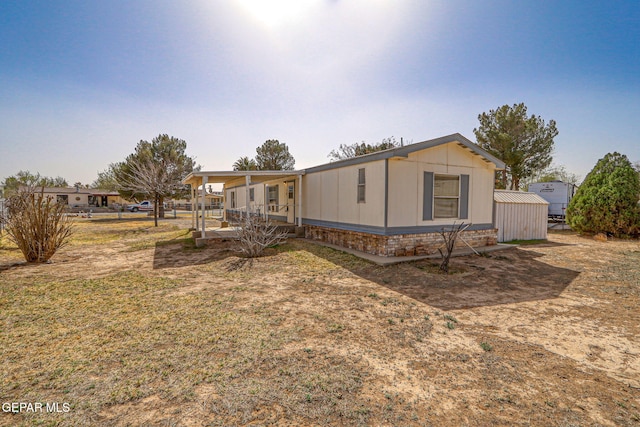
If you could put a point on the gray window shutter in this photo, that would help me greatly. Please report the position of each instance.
(427, 197)
(464, 196)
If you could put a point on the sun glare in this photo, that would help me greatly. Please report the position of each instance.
(274, 13)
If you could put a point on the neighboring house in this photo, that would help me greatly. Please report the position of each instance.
(390, 203)
(105, 198)
(214, 200)
(78, 197)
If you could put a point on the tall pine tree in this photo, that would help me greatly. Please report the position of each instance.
(607, 200)
(524, 143)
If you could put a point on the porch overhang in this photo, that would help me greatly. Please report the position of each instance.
(198, 181)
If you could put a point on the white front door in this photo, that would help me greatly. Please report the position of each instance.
(291, 203)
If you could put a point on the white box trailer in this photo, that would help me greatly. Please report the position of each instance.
(557, 193)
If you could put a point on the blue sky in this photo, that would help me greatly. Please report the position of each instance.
(84, 81)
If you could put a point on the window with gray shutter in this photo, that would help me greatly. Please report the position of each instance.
(445, 196)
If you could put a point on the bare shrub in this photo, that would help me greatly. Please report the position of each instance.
(36, 224)
(449, 236)
(255, 235)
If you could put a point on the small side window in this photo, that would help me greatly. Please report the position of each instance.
(361, 185)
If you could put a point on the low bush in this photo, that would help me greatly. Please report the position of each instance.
(36, 224)
(255, 235)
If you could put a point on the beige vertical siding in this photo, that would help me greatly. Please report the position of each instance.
(405, 192)
(328, 198)
(332, 195)
(406, 184)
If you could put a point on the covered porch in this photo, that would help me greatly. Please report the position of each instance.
(248, 193)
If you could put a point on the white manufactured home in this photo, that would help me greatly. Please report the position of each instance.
(390, 203)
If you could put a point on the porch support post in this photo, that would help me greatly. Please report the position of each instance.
(247, 182)
(205, 179)
(224, 202)
(266, 203)
(299, 200)
(196, 206)
(193, 214)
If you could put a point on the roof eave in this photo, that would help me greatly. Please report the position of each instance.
(404, 151)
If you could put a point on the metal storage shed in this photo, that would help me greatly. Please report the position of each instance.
(519, 215)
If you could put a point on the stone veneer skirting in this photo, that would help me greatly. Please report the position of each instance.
(397, 245)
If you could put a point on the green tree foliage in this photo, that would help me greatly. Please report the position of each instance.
(558, 173)
(106, 179)
(245, 164)
(524, 143)
(552, 173)
(607, 200)
(346, 151)
(59, 181)
(28, 179)
(274, 155)
(155, 171)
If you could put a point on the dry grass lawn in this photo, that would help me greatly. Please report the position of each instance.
(133, 325)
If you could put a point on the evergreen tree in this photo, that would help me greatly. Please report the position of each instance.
(155, 171)
(274, 155)
(607, 200)
(523, 143)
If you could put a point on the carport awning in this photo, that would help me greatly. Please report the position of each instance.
(195, 179)
(198, 181)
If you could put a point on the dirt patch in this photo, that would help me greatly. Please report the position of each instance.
(134, 325)
(505, 277)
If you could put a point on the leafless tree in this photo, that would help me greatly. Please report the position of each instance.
(449, 235)
(145, 176)
(255, 235)
(153, 170)
(36, 223)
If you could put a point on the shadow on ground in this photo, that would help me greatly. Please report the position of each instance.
(510, 276)
(129, 218)
(183, 253)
